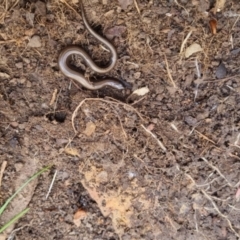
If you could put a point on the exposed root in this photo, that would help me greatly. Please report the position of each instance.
(220, 213)
(210, 198)
(115, 102)
(217, 170)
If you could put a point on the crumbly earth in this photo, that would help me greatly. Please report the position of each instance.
(164, 165)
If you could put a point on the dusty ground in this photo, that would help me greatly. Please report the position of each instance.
(160, 166)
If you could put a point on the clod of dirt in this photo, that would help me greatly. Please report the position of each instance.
(4, 75)
(40, 8)
(30, 18)
(125, 3)
(35, 42)
(235, 51)
(116, 31)
(221, 71)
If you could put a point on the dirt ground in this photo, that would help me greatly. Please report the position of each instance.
(157, 165)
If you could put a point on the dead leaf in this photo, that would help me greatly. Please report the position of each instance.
(72, 151)
(90, 129)
(78, 216)
(219, 5)
(194, 48)
(35, 42)
(141, 91)
(125, 3)
(213, 26)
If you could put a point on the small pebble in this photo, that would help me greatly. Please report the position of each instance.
(221, 71)
(19, 65)
(14, 124)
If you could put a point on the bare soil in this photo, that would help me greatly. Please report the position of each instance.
(160, 166)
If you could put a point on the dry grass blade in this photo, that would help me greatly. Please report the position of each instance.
(155, 137)
(136, 5)
(185, 41)
(51, 185)
(169, 73)
(205, 137)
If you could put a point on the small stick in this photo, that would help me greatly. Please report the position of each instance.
(168, 72)
(205, 137)
(155, 137)
(136, 5)
(51, 185)
(185, 41)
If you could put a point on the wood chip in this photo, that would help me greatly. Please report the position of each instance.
(72, 151)
(90, 129)
(78, 216)
(194, 48)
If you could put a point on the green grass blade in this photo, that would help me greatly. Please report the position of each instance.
(14, 219)
(19, 189)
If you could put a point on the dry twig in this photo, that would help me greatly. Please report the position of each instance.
(185, 41)
(169, 73)
(136, 5)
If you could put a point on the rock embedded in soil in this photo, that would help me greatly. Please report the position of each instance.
(221, 71)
